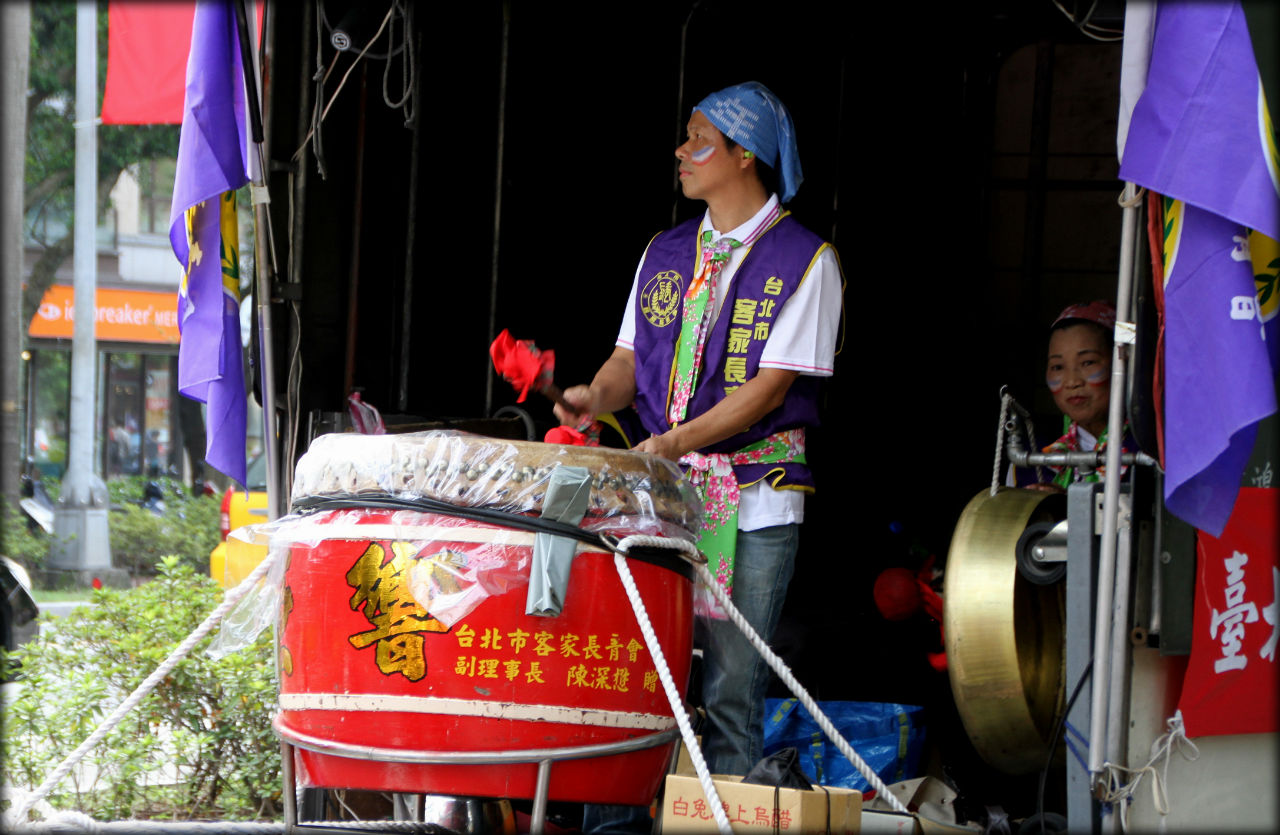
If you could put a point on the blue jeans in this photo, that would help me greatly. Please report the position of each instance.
(735, 678)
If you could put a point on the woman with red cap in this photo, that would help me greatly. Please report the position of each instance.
(1078, 373)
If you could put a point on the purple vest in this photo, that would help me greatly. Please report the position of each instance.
(769, 273)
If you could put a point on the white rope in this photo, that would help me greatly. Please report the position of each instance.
(668, 684)
(1005, 399)
(70, 817)
(1174, 738)
(18, 812)
(775, 663)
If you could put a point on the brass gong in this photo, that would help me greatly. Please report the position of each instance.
(1003, 634)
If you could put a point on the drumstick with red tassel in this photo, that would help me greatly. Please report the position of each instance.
(525, 367)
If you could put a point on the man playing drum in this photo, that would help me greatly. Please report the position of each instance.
(732, 321)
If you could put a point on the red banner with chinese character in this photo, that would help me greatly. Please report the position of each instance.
(1230, 685)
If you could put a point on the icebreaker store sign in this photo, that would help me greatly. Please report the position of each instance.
(1230, 685)
(120, 315)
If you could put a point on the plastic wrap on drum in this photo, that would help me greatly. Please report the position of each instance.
(444, 565)
(476, 471)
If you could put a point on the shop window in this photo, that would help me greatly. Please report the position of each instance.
(157, 445)
(49, 404)
(124, 415)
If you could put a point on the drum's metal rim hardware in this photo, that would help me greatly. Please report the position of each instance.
(424, 757)
(667, 558)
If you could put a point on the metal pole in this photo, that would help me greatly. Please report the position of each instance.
(15, 47)
(263, 260)
(1118, 691)
(357, 215)
(411, 233)
(1103, 613)
(497, 204)
(80, 522)
(538, 814)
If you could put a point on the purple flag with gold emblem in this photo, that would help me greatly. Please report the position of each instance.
(1201, 134)
(212, 161)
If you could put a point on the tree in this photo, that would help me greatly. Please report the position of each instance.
(50, 161)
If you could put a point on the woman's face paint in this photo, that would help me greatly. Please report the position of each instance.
(1078, 375)
(703, 155)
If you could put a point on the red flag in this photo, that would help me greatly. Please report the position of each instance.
(147, 46)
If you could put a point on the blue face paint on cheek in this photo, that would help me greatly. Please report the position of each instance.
(1099, 378)
(1054, 381)
(703, 155)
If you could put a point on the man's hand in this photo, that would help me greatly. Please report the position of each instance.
(666, 445)
(613, 387)
(580, 398)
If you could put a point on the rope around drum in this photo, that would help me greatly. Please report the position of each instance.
(18, 813)
(776, 663)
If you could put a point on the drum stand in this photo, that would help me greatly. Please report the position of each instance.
(544, 757)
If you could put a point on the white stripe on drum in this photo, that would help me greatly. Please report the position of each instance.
(463, 707)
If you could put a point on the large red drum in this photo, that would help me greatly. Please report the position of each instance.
(378, 693)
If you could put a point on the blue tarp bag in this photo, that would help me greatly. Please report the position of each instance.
(889, 737)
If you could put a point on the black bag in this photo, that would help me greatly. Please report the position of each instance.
(781, 769)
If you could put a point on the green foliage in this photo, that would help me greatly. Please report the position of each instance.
(139, 538)
(188, 529)
(28, 547)
(199, 746)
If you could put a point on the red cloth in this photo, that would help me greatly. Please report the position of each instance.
(522, 364)
(566, 435)
(1230, 685)
(147, 46)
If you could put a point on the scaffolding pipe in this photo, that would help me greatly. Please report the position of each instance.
(1102, 711)
(497, 202)
(263, 257)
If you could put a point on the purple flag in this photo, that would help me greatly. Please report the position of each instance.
(212, 160)
(1201, 134)
(1201, 131)
(1218, 373)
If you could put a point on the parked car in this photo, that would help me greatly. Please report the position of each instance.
(232, 559)
(18, 610)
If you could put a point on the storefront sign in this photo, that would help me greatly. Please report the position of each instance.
(120, 315)
(1230, 685)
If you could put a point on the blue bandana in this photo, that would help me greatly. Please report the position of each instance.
(751, 115)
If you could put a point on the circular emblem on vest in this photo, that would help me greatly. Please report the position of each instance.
(660, 298)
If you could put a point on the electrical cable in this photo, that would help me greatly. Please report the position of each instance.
(1088, 29)
(313, 135)
(1053, 740)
